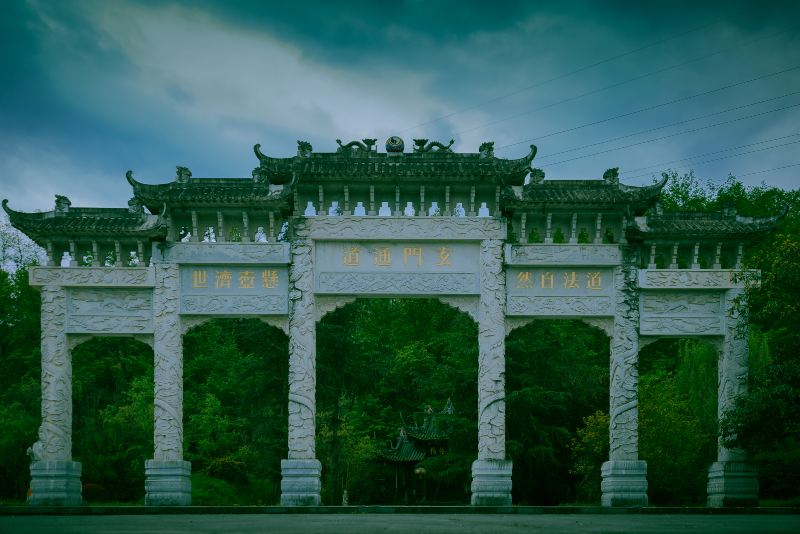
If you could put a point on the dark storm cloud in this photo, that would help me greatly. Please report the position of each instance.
(93, 88)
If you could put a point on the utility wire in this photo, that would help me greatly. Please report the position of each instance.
(769, 170)
(562, 76)
(705, 162)
(677, 133)
(655, 106)
(695, 156)
(618, 84)
(669, 125)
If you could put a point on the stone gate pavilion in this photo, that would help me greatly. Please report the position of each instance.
(310, 233)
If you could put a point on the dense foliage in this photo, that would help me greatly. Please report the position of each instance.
(382, 363)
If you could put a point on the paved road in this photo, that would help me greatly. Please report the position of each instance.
(391, 523)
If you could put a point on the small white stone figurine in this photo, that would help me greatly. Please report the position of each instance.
(384, 211)
(433, 210)
(210, 236)
(133, 259)
(334, 210)
(260, 236)
(65, 259)
(459, 210)
(311, 211)
(409, 211)
(360, 211)
(483, 211)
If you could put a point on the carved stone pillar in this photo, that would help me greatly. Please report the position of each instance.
(168, 476)
(732, 480)
(55, 478)
(491, 472)
(624, 475)
(300, 472)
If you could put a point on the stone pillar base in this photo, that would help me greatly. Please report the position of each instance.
(167, 483)
(55, 482)
(624, 483)
(491, 483)
(300, 482)
(732, 484)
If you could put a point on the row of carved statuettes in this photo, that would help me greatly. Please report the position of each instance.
(385, 211)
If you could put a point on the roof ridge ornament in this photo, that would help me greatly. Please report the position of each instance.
(611, 176)
(182, 174)
(486, 149)
(365, 145)
(304, 149)
(62, 204)
(434, 146)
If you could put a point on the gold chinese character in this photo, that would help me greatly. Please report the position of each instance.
(546, 280)
(594, 281)
(571, 280)
(199, 279)
(524, 280)
(222, 279)
(382, 256)
(246, 279)
(444, 257)
(352, 256)
(412, 251)
(269, 279)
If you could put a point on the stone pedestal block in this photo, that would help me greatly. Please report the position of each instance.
(55, 482)
(491, 483)
(167, 483)
(732, 484)
(300, 482)
(624, 483)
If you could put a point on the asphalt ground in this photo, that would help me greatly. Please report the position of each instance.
(401, 522)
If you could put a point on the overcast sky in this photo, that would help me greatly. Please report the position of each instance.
(91, 89)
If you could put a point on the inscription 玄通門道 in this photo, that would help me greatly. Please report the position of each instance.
(109, 311)
(234, 290)
(413, 268)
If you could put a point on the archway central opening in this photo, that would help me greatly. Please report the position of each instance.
(396, 402)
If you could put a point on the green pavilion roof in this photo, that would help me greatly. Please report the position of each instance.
(76, 223)
(605, 194)
(403, 451)
(701, 225)
(357, 162)
(186, 191)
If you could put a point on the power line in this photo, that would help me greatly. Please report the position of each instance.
(769, 170)
(695, 156)
(677, 133)
(669, 125)
(561, 76)
(618, 84)
(655, 106)
(705, 162)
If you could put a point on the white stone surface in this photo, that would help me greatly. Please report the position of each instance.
(168, 483)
